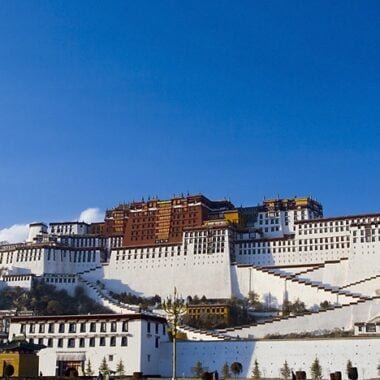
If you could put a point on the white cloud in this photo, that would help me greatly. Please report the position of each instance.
(14, 234)
(91, 215)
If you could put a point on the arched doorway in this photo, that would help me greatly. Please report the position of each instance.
(71, 372)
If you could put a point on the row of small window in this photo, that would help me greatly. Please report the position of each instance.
(205, 233)
(76, 257)
(62, 228)
(267, 244)
(72, 327)
(213, 249)
(217, 310)
(322, 247)
(324, 240)
(323, 230)
(369, 327)
(30, 251)
(82, 242)
(82, 342)
(300, 249)
(325, 224)
(172, 248)
(7, 257)
(269, 221)
(367, 239)
(60, 280)
(22, 258)
(369, 231)
(265, 251)
(18, 278)
(266, 215)
(267, 229)
(147, 256)
(205, 240)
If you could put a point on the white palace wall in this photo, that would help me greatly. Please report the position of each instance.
(342, 317)
(52, 259)
(332, 273)
(273, 289)
(151, 271)
(333, 355)
(364, 261)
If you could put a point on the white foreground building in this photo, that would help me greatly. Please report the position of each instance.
(72, 341)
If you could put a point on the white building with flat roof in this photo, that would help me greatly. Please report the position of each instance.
(72, 341)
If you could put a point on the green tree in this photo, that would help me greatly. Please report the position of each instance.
(54, 307)
(254, 300)
(298, 307)
(316, 370)
(348, 368)
(286, 307)
(88, 371)
(226, 371)
(236, 369)
(285, 371)
(104, 369)
(120, 370)
(324, 305)
(197, 370)
(256, 373)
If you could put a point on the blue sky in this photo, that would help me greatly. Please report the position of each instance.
(103, 102)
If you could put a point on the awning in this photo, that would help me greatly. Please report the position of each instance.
(71, 356)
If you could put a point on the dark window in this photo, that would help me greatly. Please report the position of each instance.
(112, 341)
(92, 342)
(163, 329)
(71, 343)
(41, 341)
(148, 327)
(113, 326)
(157, 342)
(82, 327)
(124, 341)
(125, 326)
(32, 328)
(156, 328)
(72, 328)
(61, 328)
(81, 342)
(23, 328)
(93, 327)
(370, 327)
(51, 328)
(102, 341)
(50, 342)
(60, 342)
(103, 327)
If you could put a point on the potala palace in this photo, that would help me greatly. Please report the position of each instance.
(281, 249)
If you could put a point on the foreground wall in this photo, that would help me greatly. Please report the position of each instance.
(333, 355)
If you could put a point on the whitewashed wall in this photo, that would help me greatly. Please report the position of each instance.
(201, 274)
(333, 355)
(270, 286)
(341, 318)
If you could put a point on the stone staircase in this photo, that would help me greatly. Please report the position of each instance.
(309, 321)
(313, 284)
(100, 295)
